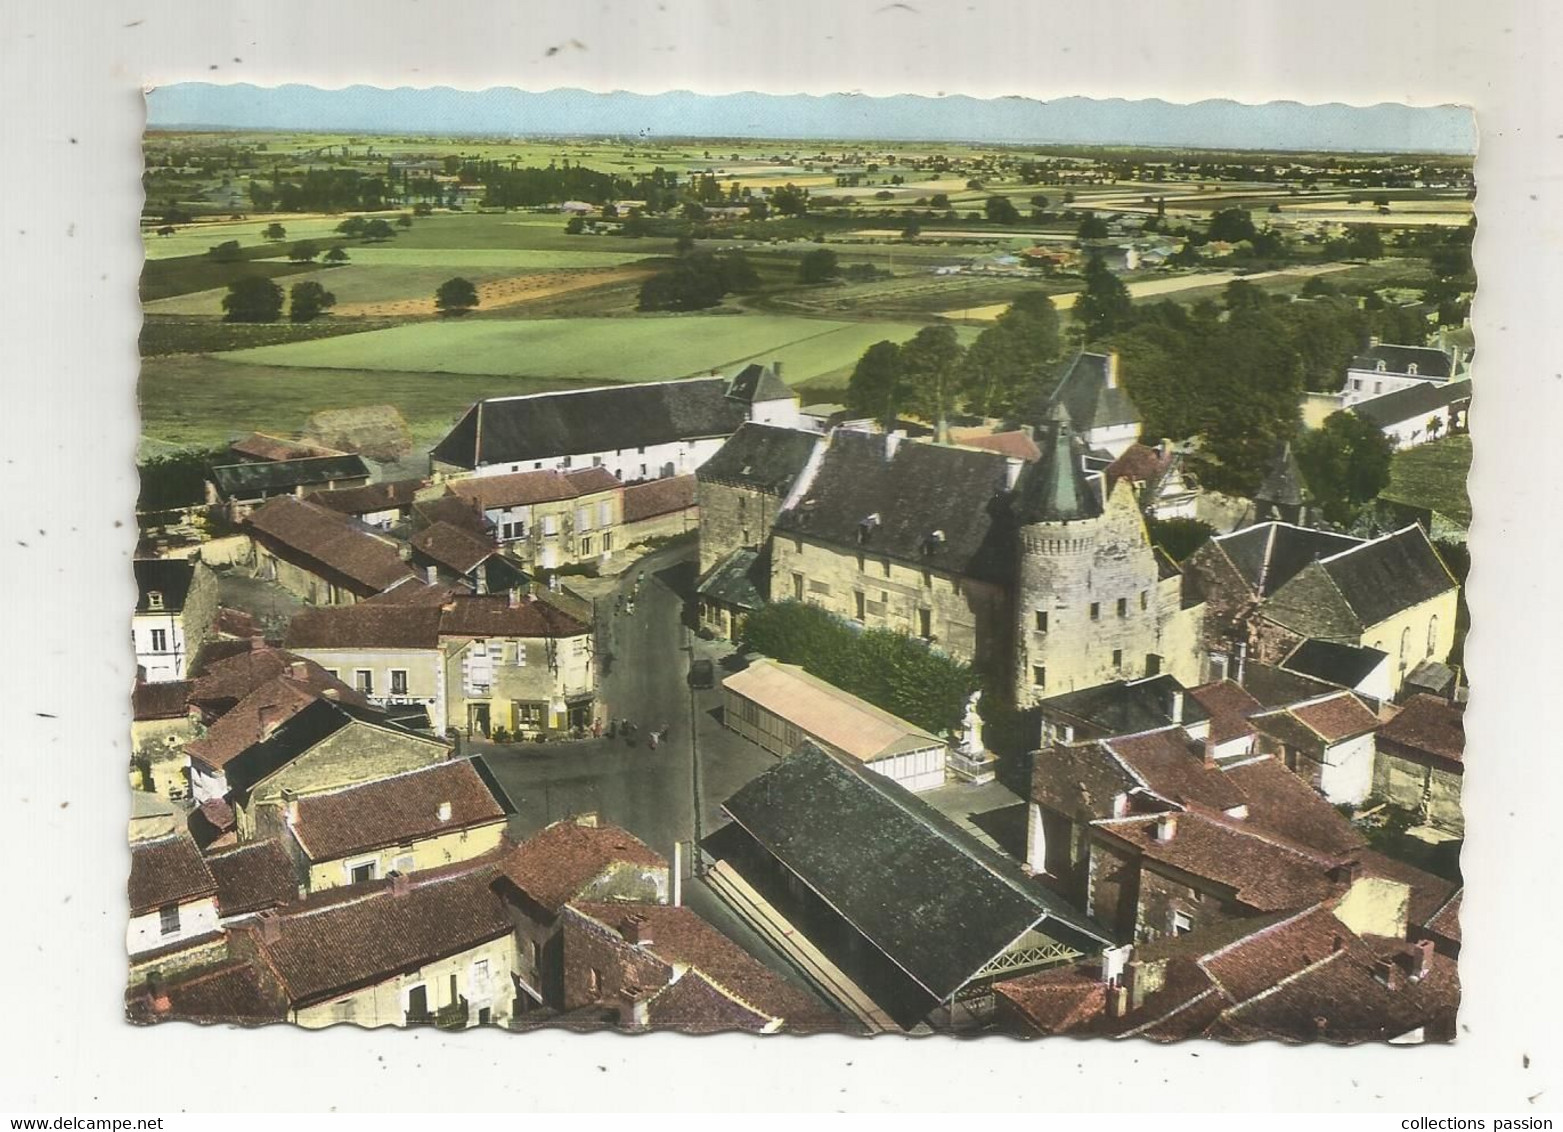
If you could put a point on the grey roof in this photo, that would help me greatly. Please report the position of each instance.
(547, 425)
(756, 383)
(1412, 402)
(922, 890)
(1380, 578)
(1091, 402)
(1268, 555)
(735, 580)
(760, 456)
(285, 475)
(1432, 364)
(1126, 707)
(170, 577)
(1345, 665)
(1283, 482)
(861, 500)
(1055, 488)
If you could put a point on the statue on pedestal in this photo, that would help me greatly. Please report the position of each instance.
(971, 728)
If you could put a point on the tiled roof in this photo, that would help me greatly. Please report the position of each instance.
(1446, 921)
(236, 993)
(521, 489)
(658, 497)
(247, 722)
(324, 952)
(1228, 707)
(493, 615)
(453, 547)
(760, 456)
(1431, 725)
(332, 540)
(1172, 766)
(167, 870)
(1414, 403)
(928, 505)
(678, 935)
(457, 510)
(1334, 718)
(826, 714)
(252, 878)
(546, 425)
(756, 383)
(849, 833)
(223, 683)
(1140, 464)
(556, 864)
(170, 577)
(1016, 443)
(1078, 779)
(388, 496)
(1429, 892)
(238, 624)
(1342, 664)
(246, 480)
(1269, 555)
(395, 811)
(263, 446)
(1055, 1002)
(165, 700)
(693, 1004)
(1432, 364)
(1281, 805)
(366, 625)
(1276, 687)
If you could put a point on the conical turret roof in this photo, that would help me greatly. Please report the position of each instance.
(1283, 484)
(1056, 488)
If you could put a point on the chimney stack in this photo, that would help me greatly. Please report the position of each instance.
(1208, 745)
(514, 597)
(776, 368)
(1120, 805)
(401, 884)
(298, 669)
(1346, 872)
(444, 811)
(1424, 960)
(1166, 827)
(1117, 1002)
(480, 579)
(634, 1008)
(431, 575)
(1112, 369)
(1387, 971)
(586, 820)
(637, 930)
(1176, 714)
(270, 929)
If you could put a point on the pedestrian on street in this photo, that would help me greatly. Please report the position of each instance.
(652, 741)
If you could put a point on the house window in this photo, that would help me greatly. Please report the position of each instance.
(1405, 645)
(1123, 607)
(594, 980)
(363, 680)
(520, 654)
(550, 524)
(927, 579)
(596, 461)
(1432, 635)
(641, 451)
(1096, 611)
(1378, 387)
(159, 640)
(1411, 370)
(860, 562)
(886, 567)
(1117, 658)
(797, 587)
(1038, 676)
(168, 919)
(565, 463)
(154, 599)
(529, 715)
(1382, 367)
(607, 542)
(398, 681)
(797, 546)
(586, 544)
(332, 672)
(1182, 923)
(583, 518)
(643, 471)
(604, 513)
(860, 602)
(925, 623)
(360, 873)
(1145, 600)
(1041, 620)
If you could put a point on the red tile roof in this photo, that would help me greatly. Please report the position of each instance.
(658, 497)
(1446, 921)
(1429, 725)
(225, 682)
(459, 549)
(526, 488)
(367, 625)
(557, 863)
(394, 811)
(493, 615)
(263, 446)
(168, 870)
(251, 720)
(392, 495)
(1281, 805)
(1229, 707)
(329, 539)
(1337, 718)
(1429, 892)
(1017, 444)
(165, 700)
(252, 878)
(1172, 765)
(239, 993)
(237, 624)
(1139, 464)
(1055, 1002)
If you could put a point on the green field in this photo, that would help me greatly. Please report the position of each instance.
(620, 349)
(1434, 475)
(195, 239)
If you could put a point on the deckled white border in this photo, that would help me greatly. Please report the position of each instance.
(68, 265)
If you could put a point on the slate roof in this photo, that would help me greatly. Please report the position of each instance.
(658, 497)
(1268, 555)
(1341, 664)
(1092, 403)
(170, 577)
(391, 495)
(1276, 687)
(557, 863)
(1432, 364)
(252, 878)
(320, 953)
(736, 580)
(167, 870)
(1125, 707)
(826, 714)
(679, 935)
(453, 547)
(1380, 578)
(337, 542)
(922, 489)
(523, 489)
(1429, 725)
(756, 383)
(543, 426)
(762, 457)
(247, 480)
(850, 835)
(1414, 403)
(1056, 489)
(165, 700)
(1283, 482)
(396, 810)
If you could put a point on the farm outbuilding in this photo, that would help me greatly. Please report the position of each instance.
(779, 706)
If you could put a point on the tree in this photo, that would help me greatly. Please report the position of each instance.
(275, 233)
(252, 299)
(1002, 370)
(940, 201)
(1092, 227)
(912, 230)
(404, 220)
(930, 367)
(1104, 306)
(353, 226)
(308, 300)
(304, 251)
(874, 389)
(1346, 464)
(1231, 225)
(1364, 242)
(336, 256)
(818, 266)
(378, 229)
(1001, 210)
(423, 208)
(684, 245)
(228, 251)
(455, 297)
(574, 226)
(1039, 202)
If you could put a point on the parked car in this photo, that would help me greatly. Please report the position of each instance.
(702, 674)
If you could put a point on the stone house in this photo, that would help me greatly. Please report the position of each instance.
(402, 824)
(1122, 707)
(660, 509)
(240, 488)
(379, 505)
(1328, 741)
(1420, 762)
(550, 518)
(1419, 413)
(323, 556)
(1098, 407)
(741, 488)
(173, 906)
(161, 723)
(389, 654)
(1383, 368)
(446, 553)
(176, 602)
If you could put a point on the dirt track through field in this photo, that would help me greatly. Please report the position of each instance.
(505, 292)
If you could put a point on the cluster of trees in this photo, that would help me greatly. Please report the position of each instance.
(455, 297)
(888, 669)
(178, 479)
(307, 251)
(1346, 464)
(371, 228)
(257, 299)
(698, 280)
(320, 190)
(1003, 371)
